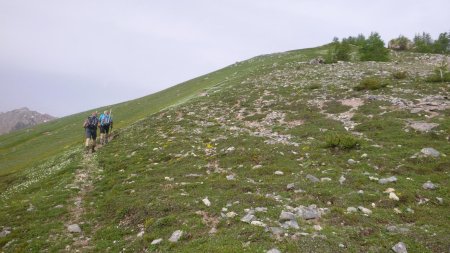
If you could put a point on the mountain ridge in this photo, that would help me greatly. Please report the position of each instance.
(21, 118)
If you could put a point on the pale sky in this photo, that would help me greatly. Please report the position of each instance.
(61, 57)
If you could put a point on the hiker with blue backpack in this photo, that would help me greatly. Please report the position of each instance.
(90, 125)
(106, 123)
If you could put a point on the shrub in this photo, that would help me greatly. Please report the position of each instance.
(442, 44)
(370, 83)
(401, 43)
(342, 141)
(373, 49)
(400, 74)
(423, 43)
(441, 74)
(339, 51)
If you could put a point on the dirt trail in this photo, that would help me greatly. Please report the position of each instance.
(83, 181)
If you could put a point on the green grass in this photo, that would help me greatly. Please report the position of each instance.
(264, 118)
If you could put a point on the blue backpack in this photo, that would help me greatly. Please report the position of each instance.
(105, 119)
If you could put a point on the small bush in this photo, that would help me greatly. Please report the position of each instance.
(441, 74)
(373, 49)
(313, 86)
(341, 141)
(370, 83)
(400, 75)
(339, 51)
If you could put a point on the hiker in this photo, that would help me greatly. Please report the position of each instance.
(105, 123)
(90, 125)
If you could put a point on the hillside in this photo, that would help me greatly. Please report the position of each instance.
(276, 152)
(21, 118)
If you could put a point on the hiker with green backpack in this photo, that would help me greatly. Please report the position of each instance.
(106, 123)
(90, 125)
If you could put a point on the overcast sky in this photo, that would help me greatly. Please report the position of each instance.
(62, 57)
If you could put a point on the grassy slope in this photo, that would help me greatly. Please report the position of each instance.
(140, 166)
(131, 193)
(30, 147)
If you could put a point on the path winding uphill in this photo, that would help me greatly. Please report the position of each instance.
(77, 209)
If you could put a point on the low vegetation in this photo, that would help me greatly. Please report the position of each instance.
(371, 83)
(226, 164)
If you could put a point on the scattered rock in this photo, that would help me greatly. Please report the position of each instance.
(274, 250)
(276, 231)
(429, 186)
(351, 209)
(312, 178)
(393, 196)
(231, 214)
(156, 241)
(261, 209)
(351, 161)
(365, 210)
(291, 224)
(258, 223)
(342, 179)
(6, 231)
(290, 187)
(30, 208)
(440, 200)
(206, 201)
(422, 126)
(176, 236)
(308, 213)
(399, 248)
(59, 206)
(230, 177)
(140, 234)
(74, 228)
(387, 180)
(395, 229)
(285, 216)
(248, 218)
(280, 173)
(325, 179)
(430, 152)
(389, 190)
(317, 227)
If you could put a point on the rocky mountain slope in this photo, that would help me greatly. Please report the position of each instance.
(21, 118)
(281, 155)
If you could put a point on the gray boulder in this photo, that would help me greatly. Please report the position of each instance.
(430, 152)
(399, 248)
(176, 236)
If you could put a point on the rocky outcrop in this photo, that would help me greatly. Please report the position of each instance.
(21, 118)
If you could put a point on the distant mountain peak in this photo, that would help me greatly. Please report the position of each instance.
(21, 118)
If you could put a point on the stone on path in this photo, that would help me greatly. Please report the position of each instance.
(274, 250)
